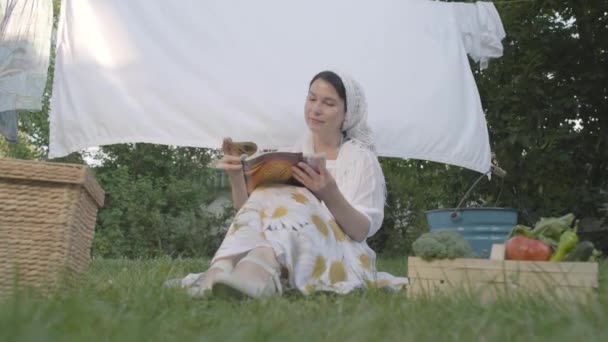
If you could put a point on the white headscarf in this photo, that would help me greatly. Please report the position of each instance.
(355, 126)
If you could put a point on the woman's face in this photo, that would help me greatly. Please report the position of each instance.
(324, 109)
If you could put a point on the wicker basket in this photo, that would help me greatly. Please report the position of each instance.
(47, 220)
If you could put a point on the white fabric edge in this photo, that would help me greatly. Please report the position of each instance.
(60, 151)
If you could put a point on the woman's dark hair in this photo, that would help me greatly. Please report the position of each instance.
(333, 79)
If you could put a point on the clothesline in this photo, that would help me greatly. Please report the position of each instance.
(508, 2)
(494, 2)
(503, 2)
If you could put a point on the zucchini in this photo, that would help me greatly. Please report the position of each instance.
(582, 252)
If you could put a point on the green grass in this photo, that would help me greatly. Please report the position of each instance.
(121, 300)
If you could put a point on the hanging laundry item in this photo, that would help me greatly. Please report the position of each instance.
(189, 73)
(481, 30)
(9, 125)
(25, 44)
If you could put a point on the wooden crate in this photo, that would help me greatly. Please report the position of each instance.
(47, 221)
(488, 279)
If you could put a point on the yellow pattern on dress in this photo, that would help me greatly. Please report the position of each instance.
(364, 259)
(309, 288)
(262, 186)
(236, 225)
(263, 215)
(280, 211)
(338, 232)
(319, 268)
(298, 197)
(337, 273)
(321, 226)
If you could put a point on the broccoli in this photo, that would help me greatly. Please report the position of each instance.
(442, 245)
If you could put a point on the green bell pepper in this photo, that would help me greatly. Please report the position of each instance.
(567, 242)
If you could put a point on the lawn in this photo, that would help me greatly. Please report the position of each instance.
(123, 300)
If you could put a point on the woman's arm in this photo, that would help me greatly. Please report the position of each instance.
(352, 221)
(232, 165)
(322, 184)
(239, 190)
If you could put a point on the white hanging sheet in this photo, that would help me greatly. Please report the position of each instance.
(191, 72)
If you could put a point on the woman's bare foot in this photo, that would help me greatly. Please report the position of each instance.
(205, 280)
(256, 275)
(252, 271)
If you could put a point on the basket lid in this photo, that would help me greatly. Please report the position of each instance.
(33, 170)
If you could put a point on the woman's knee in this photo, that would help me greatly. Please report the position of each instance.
(263, 252)
(267, 255)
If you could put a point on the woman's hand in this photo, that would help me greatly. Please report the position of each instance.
(230, 162)
(320, 183)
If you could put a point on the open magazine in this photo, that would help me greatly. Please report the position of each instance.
(271, 167)
(276, 168)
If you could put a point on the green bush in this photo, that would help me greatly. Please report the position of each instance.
(156, 203)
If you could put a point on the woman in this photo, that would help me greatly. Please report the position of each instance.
(312, 237)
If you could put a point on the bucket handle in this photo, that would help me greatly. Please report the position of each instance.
(494, 170)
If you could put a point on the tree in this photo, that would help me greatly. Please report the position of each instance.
(155, 203)
(546, 105)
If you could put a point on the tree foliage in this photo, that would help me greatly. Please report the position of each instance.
(546, 101)
(156, 199)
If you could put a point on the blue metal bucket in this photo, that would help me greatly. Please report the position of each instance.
(481, 227)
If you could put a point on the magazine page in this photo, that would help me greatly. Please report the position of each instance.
(270, 168)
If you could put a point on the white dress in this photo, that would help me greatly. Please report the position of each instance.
(309, 244)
